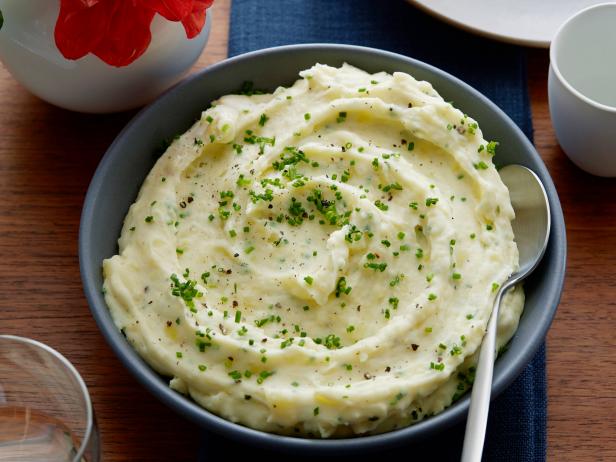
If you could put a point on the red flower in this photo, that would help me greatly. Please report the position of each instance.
(118, 31)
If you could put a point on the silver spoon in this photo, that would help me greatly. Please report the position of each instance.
(531, 228)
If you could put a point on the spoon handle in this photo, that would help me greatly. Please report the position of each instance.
(482, 387)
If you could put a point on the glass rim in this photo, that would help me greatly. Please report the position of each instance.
(82, 385)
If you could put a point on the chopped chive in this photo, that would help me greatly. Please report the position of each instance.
(491, 147)
(380, 205)
(437, 366)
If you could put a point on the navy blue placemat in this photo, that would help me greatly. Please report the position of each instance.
(517, 424)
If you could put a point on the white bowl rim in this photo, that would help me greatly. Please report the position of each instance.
(554, 61)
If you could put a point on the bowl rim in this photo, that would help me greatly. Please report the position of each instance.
(210, 421)
(555, 48)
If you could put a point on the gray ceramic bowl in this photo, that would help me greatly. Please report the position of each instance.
(127, 162)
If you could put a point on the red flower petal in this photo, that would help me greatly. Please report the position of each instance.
(118, 31)
(81, 25)
(193, 22)
(173, 10)
(128, 36)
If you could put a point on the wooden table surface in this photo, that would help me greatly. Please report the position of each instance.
(47, 157)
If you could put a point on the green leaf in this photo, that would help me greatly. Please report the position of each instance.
(1, 19)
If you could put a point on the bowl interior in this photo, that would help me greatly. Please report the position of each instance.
(129, 159)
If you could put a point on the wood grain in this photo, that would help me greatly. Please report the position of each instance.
(47, 157)
(581, 343)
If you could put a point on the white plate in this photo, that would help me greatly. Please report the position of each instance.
(523, 22)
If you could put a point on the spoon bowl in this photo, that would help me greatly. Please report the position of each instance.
(531, 226)
(531, 229)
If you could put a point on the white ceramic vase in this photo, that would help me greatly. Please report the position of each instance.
(29, 52)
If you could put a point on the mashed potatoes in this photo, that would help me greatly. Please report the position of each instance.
(320, 261)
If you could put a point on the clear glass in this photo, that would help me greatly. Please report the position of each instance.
(45, 410)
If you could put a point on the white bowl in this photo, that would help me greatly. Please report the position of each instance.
(582, 88)
(29, 52)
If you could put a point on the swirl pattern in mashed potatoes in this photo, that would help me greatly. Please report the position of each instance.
(319, 261)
